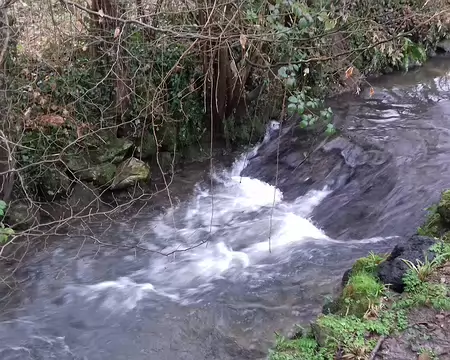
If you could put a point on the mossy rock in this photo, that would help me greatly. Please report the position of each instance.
(78, 162)
(443, 208)
(362, 290)
(167, 161)
(146, 146)
(321, 334)
(54, 182)
(22, 215)
(168, 136)
(130, 172)
(100, 175)
(113, 150)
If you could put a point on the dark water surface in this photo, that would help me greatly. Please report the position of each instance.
(362, 191)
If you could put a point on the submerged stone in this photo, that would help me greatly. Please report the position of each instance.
(130, 172)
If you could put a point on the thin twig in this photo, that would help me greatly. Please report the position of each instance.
(377, 347)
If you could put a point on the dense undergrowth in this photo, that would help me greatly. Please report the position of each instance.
(367, 311)
(168, 90)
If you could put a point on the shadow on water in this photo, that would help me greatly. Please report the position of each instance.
(225, 298)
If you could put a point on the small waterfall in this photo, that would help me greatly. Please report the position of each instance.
(228, 242)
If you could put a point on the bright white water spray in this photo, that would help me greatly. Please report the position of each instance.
(236, 238)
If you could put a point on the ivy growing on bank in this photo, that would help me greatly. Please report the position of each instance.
(224, 70)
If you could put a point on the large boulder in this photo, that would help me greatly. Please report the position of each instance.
(444, 45)
(113, 151)
(146, 146)
(100, 175)
(130, 172)
(22, 215)
(84, 199)
(167, 162)
(393, 269)
(54, 183)
(104, 148)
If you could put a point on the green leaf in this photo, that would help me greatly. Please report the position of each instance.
(303, 23)
(330, 130)
(296, 10)
(329, 24)
(290, 82)
(293, 99)
(282, 72)
(406, 63)
(292, 108)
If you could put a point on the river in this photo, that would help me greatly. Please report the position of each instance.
(216, 276)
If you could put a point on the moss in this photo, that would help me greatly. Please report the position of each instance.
(362, 291)
(366, 311)
(369, 263)
(100, 175)
(114, 150)
(437, 223)
(443, 208)
(433, 226)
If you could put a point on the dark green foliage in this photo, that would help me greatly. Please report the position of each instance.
(332, 334)
(369, 263)
(438, 219)
(433, 224)
(423, 293)
(361, 291)
(443, 208)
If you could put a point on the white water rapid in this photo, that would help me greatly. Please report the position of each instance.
(228, 233)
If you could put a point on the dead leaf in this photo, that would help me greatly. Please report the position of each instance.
(243, 40)
(371, 92)
(101, 13)
(424, 356)
(81, 128)
(117, 32)
(51, 120)
(27, 114)
(349, 72)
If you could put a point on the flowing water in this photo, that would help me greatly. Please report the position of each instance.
(217, 275)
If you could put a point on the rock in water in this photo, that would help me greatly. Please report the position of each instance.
(444, 45)
(394, 268)
(130, 172)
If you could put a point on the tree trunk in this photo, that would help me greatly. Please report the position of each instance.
(111, 31)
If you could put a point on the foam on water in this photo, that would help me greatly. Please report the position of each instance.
(234, 234)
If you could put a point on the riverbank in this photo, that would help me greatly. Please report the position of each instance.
(392, 306)
(92, 128)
